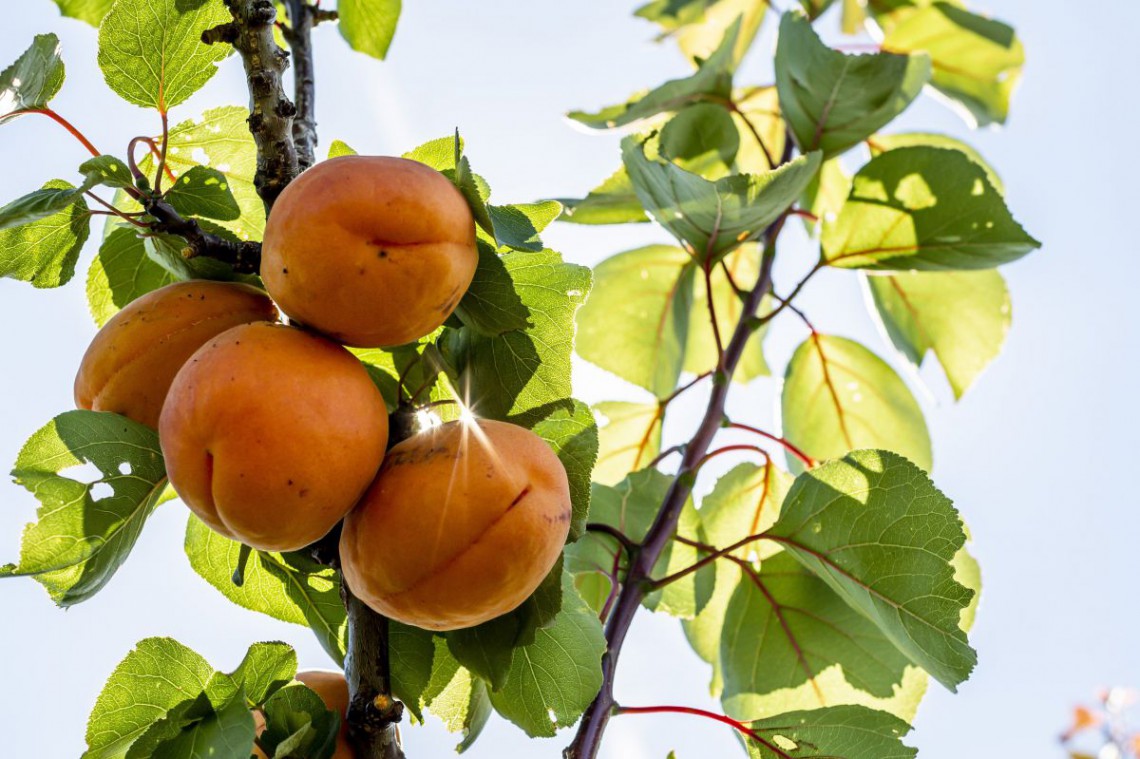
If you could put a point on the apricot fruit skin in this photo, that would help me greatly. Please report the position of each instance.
(130, 364)
(373, 251)
(333, 690)
(461, 525)
(271, 435)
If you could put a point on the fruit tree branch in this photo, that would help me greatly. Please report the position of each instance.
(270, 110)
(302, 18)
(372, 712)
(243, 255)
(638, 580)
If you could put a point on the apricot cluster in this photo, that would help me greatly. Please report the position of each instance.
(273, 433)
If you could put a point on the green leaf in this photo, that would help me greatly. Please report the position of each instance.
(220, 139)
(573, 435)
(411, 653)
(631, 507)
(491, 306)
(700, 25)
(712, 82)
(745, 501)
(825, 196)
(286, 586)
(876, 530)
(833, 101)
(962, 316)
(121, 272)
(839, 396)
(881, 143)
(50, 201)
(791, 642)
(761, 128)
(924, 208)
(44, 251)
(229, 731)
(520, 375)
(90, 11)
(701, 138)
(203, 191)
(151, 51)
(517, 226)
(297, 723)
(106, 170)
(165, 250)
(635, 322)
(851, 732)
(33, 80)
(158, 677)
(266, 668)
(712, 218)
(977, 60)
(854, 16)
(612, 202)
(369, 25)
(700, 347)
(86, 529)
(816, 8)
(457, 697)
(629, 437)
(339, 148)
(553, 679)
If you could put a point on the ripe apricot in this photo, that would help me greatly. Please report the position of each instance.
(333, 690)
(371, 250)
(462, 523)
(271, 435)
(131, 362)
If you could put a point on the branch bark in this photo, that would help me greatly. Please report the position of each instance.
(270, 110)
(244, 256)
(302, 18)
(638, 582)
(372, 712)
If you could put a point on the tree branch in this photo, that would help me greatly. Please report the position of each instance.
(302, 18)
(372, 712)
(270, 111)
(638, 580)
(244, 256)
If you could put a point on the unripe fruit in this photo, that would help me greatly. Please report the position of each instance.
(460, 526)
(333, 690)
(271, 434)
(130, 364)
(371, 250)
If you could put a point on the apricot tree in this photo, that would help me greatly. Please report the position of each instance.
(403, 467)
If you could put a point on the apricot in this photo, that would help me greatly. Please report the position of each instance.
(271, 435)
(462, 523)
(131, 362)
(333, 690)
(371, 250)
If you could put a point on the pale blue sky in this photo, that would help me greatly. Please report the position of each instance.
(1039, 456)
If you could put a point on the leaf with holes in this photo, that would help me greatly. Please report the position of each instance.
(33, 80)
(86, 526)
(636, 321)
(629, 437)
(203, 191)
(712, 218)
(962, 316)
(712, 82)
(744, 502)
(977, 60)
(825, 196)
(106, 170)
(44, 251)
(834, 101)
(553, 679)
(839, 396)
(850, 732)
(924, 208)
(369, 25)
(151, 51)
(876, 530)
(286, 586)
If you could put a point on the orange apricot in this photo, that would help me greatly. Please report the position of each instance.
(333, 690)
(373, 251)
(271, 435)
(462, 523)
(131, 362)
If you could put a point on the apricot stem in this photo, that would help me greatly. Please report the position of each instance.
(807, 460)
(243, 559)
(723, 719)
